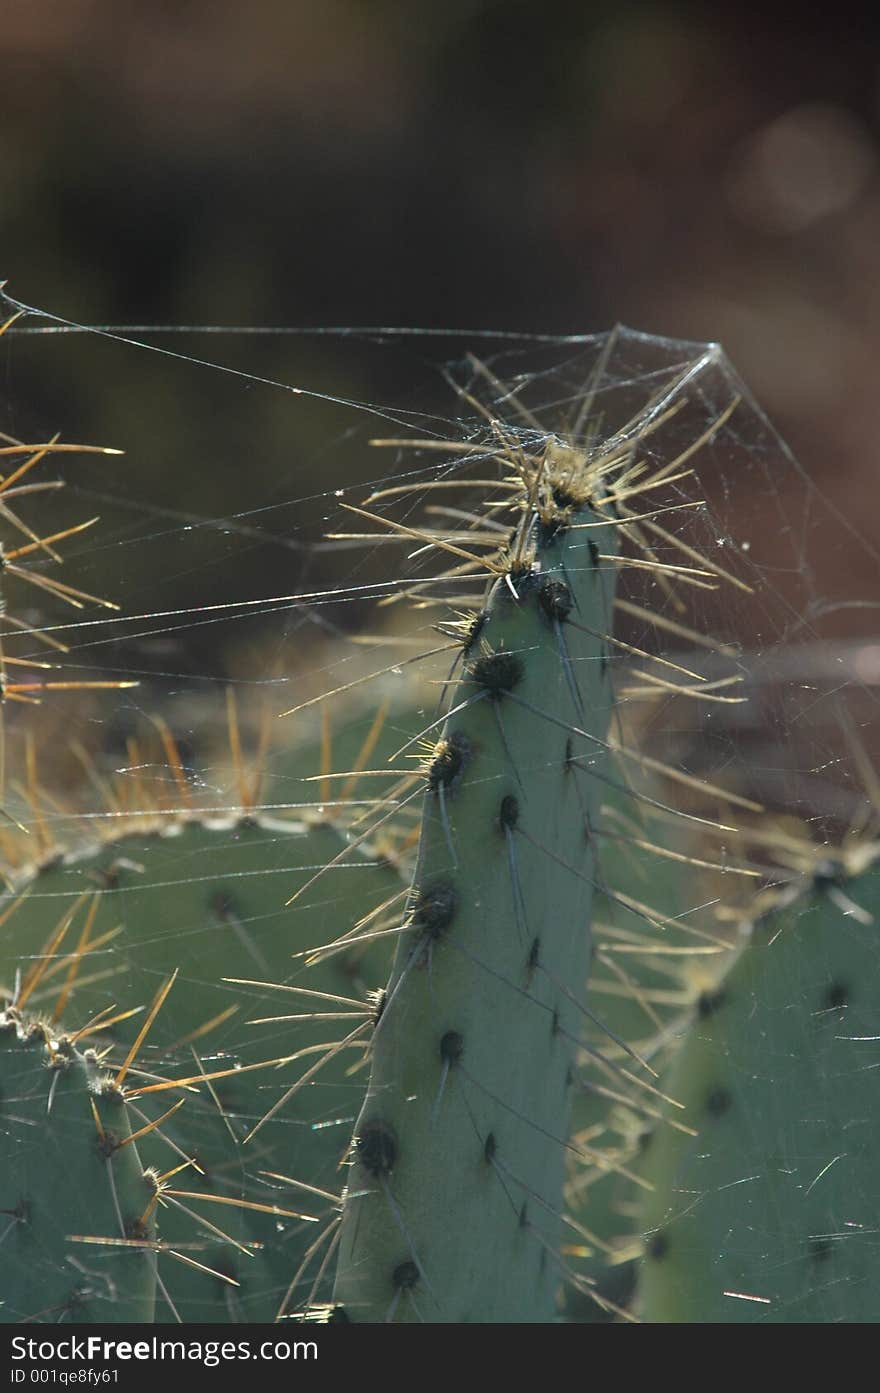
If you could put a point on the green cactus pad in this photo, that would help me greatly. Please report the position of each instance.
(207, 899)
(637, 999)
(453, 1210)
(768, 1214)
(76, 1245)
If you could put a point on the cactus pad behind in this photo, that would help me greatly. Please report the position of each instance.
(769, 1214)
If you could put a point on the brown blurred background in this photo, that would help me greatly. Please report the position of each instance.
(551, 166)
(708, 174)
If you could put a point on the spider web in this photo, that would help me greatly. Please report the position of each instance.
(248, 588)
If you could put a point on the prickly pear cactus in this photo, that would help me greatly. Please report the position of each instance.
(104, 927)
(203, 895)
(453, 1207)
(78, 1227)
(633, 1001)
(455, 1204)
(768, 1213)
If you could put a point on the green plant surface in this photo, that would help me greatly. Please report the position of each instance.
(768, 1213)
(453, 1208)
(206, 899)
(471, 1158)
(78, 1230)
(633, 1001)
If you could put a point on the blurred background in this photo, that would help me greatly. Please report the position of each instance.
(552, 167)
(702, 174)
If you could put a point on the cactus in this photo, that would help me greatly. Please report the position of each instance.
(206, 898)
(453, 1206)
(639, 864)
(205, 895)
(468, 1109)
(644, 867)
(767, 1214)
(464, 1172)
(654, 956)
(78, 1233)
(635, 999)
